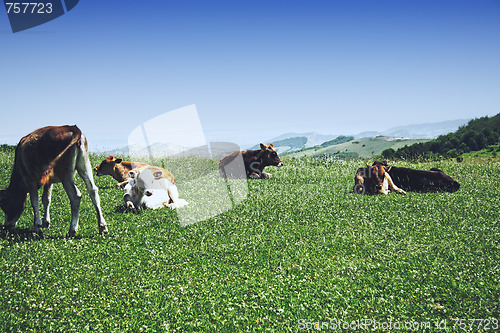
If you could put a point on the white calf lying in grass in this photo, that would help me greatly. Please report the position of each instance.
(151, 187)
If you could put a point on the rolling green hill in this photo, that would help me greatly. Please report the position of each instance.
(285, 145)
(359, 148)
(478, 134)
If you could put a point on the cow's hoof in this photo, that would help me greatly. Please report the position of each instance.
(8, 226)
(71, 234)
(45, 224)
(103, 230)
(37, 232)
(131, 208)
(265, 175)
(359, 189)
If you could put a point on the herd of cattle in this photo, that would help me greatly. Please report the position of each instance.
(54, 154)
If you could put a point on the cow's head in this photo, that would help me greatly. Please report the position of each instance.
(13, 205)
(107, 166)
(372, 179)
(444, 182)
(270, 156)
(132, 180)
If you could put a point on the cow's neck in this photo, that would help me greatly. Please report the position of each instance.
(259, 159)
(17, 187)
(121, 172)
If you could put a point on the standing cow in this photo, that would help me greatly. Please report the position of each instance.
(46, 156)
(254, 162)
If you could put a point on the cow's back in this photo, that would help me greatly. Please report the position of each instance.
(423, 180)
(42, 149)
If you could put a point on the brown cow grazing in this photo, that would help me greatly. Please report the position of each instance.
(381, 176)
(254, 162)
(118, 169)
(49, 155)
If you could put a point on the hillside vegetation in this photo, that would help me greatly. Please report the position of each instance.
(478, 134)
(357, 148)
(285, 145)
(301, 248)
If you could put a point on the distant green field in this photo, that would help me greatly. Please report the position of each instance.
(362, 148)
(302, 250)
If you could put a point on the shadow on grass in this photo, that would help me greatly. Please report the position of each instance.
(21, 235)
(123, 210)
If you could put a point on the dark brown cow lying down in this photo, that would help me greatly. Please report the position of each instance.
(49, 155)
(380, 177)
(254, 162)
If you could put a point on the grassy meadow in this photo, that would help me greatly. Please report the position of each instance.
(301, 251)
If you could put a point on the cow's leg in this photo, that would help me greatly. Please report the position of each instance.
(37, 221)
(173, 193)
(254, 175)
(47, 192)
(393, 186)
(85, 171)
(265, 175)
(385, 184)
(122, 184)
(74, 198)
(130, 193)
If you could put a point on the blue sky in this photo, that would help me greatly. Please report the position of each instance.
(255, 69)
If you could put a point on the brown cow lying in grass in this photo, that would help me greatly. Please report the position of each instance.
(254, 162)
(151, 187)
(118, 169)
(380, 177)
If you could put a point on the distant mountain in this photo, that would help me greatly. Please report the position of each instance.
(419, 131)
(294, 142)
(311, 136)
(290, 142)
(157, 149)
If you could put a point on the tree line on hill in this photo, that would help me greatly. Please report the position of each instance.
(478, 134)
(338, 140)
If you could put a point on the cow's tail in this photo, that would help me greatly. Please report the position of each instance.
(77, 136)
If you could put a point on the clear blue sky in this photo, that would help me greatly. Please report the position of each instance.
(255, 69)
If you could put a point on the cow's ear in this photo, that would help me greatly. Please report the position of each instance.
(118, 160)
(384, 162)
(263, 146)
(110, 158)
(271, 146)
(132, 174)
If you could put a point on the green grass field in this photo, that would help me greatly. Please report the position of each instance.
(301, 249)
